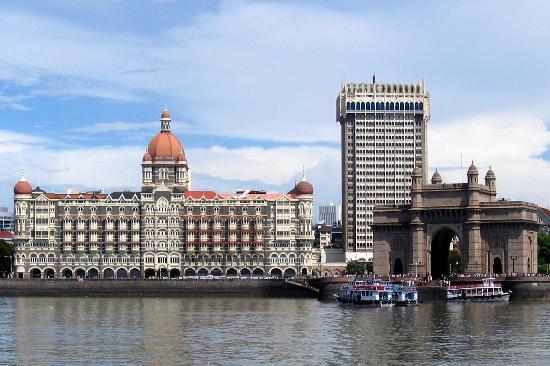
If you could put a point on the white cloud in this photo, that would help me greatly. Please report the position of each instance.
(512, 143)
(273, 166)
(115, 167)
(116, 126)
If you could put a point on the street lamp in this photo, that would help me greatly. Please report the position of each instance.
(513, 258)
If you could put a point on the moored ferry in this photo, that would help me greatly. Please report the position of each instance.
(405, 295)
(488, 290)
(377, 293)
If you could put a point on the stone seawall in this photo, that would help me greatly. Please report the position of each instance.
(154, 288)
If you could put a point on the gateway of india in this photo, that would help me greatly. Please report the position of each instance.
(166, 229)
(487, 236)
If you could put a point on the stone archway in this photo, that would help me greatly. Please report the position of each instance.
(175, 273)
(108, 273)
(258, 272)
(190, 272)
(121, 273)
(232, 272)
(289, 273)
(497, 265)
(398, 266)
(276, 272)
(440, 251)
(80, 273)
(49, 273)
(93, 273)
(135, 273)
(36, 273)
(67, 273)
(149, 272)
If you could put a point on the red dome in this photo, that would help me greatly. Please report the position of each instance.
(303, 187)
(166, 146)
(165, 114)
(22, 187)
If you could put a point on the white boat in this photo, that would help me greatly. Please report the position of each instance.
(364, 292)
(405, 295)
(377, 293)
(488, 290)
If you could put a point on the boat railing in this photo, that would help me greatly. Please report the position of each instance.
(474, 285)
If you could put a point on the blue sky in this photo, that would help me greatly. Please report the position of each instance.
(252, 85)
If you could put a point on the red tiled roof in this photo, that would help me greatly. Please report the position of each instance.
(6, 235)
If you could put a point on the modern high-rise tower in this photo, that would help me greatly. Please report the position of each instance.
(383, 136)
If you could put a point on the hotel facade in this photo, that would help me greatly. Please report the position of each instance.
(164, 230)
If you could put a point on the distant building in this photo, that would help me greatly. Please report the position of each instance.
(6, 220)
(491, 236)
(330, 214)
(322, 236)
(383, 138)
(544, 220)
(164, 230)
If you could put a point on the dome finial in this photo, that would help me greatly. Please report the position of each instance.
(165, 120)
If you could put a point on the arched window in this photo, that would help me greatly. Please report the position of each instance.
(421, 106)
(407, 106)
(352, 106)
(387, 105)
(348, 106)
(368, 106)
(391, 106)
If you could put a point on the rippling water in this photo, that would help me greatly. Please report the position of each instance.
(234, 331)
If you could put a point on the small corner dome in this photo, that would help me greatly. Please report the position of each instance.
(147, 157)
(490, 174)
(472, 169)
(165, 114)
(22, 187)
(303, 187)
(181, 156)
(436, 178)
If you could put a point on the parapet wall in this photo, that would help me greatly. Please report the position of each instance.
(154, 288)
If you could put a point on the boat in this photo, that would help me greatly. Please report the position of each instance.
(360, 292)
(405, 294)
(487, 290)
(377, 293)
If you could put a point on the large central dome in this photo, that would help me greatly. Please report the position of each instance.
(165, 145)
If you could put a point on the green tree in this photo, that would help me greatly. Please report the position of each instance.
(6, 252)
(455, 259)
(544, 248)
(355, 268)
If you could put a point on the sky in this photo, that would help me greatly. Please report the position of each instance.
(251, 87)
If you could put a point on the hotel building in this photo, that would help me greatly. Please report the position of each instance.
(164, 230)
